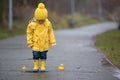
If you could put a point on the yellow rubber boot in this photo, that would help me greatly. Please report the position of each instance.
(36, 65)
(39, 64)
(43, 65)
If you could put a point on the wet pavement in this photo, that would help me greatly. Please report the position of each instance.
(75, 49)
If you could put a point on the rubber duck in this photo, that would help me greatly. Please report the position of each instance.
(61, 67)
(24, 68)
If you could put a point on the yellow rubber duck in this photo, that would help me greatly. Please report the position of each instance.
(61, 67)
(24, 68)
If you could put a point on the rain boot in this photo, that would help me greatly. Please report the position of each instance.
(36, 66)
(43, 65)
(39, 65)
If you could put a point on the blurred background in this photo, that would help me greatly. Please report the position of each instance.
(15, 14)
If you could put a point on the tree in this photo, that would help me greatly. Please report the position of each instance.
(112, 10)
(1, 11)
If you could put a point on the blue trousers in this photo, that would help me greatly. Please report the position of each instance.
(39, 55)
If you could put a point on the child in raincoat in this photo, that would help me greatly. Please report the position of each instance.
(40, 37)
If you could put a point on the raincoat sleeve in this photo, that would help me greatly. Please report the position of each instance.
(51, 36)
(29, 33)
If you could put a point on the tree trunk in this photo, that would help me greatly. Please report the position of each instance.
(119, 26)
(4, 14)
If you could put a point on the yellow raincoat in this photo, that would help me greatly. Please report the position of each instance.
(40, 36)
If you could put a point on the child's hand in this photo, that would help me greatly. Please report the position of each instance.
(30, 46)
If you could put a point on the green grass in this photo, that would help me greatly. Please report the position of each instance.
(58, 21)
(18, 28)
(62, 21)
(82, 20)
(109, 43)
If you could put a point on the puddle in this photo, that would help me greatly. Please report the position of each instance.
(117, 73)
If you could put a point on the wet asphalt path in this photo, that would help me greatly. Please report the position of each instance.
(75, 48)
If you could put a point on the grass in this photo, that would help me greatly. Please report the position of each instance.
(18, 28)
(82, 20)
(109, 43)
(58, 21)
(62, 21)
